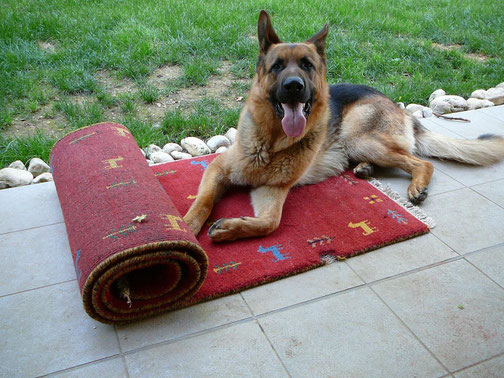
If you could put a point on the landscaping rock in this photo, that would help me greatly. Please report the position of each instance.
(231, 134)
(448, 104)
(143, 152)
(218, 141)
(44, 177)
(12, 177)
(417, 114)
(496, 95)
(477, 103)
(170, 147)
(501, 85)
(150, 162)
(427, 112)
(18, 164)
(195, 146)
(221, 150)
(177, 155)
(160, 157)
(153, 148)
(414, 107)
(401, 105)
(38, 166)
(479, 93)
(437, 93)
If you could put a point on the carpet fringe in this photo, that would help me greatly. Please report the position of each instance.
(405, 204)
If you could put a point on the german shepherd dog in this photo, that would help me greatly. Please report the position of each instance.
(295, 129)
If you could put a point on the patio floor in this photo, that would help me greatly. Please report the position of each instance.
(432, 306)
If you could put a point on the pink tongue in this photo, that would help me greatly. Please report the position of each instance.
(293, 122)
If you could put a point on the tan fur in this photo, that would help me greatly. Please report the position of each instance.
(372, 130)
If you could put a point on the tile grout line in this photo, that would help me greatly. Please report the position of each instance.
(486, 275)
(401, 321)
(266, 336)
(89, 363)
(125, 365)
(485, 197)
(30, 228)
(36, 288)
(479, 362)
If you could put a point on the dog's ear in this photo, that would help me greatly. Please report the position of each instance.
(265, 32)
(319, 40)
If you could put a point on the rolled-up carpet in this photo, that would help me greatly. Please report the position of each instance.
(133, 254)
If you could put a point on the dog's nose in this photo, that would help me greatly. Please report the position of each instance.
(293, 84)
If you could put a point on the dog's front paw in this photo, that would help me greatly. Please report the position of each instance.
(225, 229)
(416, 195)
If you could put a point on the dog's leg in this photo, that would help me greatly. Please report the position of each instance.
(421, 171)
(363, 170)
(213, 184)
(267, 202)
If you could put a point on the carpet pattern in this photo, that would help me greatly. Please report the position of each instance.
(134, 256)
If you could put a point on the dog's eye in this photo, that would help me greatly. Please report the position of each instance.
(276, 67)
(306, 65)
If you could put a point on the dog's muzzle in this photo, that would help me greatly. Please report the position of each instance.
(293, 105)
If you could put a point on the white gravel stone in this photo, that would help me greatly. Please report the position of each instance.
(44, 177)
(160, 157)
(479, 93)
(436, 93)
(414, 107)
(477, 103)
(18, 164)
(221, 150)
(401, 105)
(496, 95)
(427, 112)
(153, 148)
(150, 162)
(177, 155)
(170, 147)
(38, 166)
(143, 152)
(418, 114)
(448, 104)
(12, 177)
(501, 85)
(231, 134)
(195, 146)
(218, 141)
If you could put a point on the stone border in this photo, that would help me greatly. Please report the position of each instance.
(17, 174)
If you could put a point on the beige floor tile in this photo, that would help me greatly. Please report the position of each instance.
(182, 322)
(113, 368)
(433, 126)
(465, 220)
(481, 123)
(493, 368)
(47, 330)
(470, 175)
(238, 351)
(29, 206)
(491, 262)
(301, 287)
(453, 308)
(401, 257)
(494, 111)
(399, 181)
(349, 335)
(25, 256)
(494, 191)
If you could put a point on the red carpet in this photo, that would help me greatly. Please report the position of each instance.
(103, 183)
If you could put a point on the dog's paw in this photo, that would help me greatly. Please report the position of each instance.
(364, 170)
(417, 196)
(221, 230)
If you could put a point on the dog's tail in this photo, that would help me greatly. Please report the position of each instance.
(485, 150)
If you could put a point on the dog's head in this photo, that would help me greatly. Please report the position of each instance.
(293, 73)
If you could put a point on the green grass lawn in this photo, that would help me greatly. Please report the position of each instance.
(54, 52)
